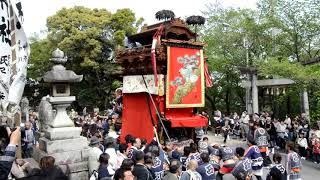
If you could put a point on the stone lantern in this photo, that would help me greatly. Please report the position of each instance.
(60, 79)
(61, 139)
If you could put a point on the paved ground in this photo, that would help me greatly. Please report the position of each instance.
(310, 171)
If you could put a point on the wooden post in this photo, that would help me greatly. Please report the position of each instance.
(161, 134)
(193, 137)
(17, 121)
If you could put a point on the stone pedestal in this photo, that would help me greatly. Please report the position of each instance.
(67, 147)
(60, 104)
(61, 139)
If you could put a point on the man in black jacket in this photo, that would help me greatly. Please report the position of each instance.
(9, 155)
(140, 171)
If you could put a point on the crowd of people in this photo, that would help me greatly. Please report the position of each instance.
(94, 127)
(306, 139)
(197, 159)
(137, 159)
(201, 160)
(10, 167)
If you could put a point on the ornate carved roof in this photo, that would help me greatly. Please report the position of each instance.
(174, 29)
(137, 60)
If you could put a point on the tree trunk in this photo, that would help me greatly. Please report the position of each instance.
(288, 105)
(296, 47)
(243, 101)
(228, 101)
(212, 101)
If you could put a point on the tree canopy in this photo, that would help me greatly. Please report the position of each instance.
(274, 38)
(89, 38)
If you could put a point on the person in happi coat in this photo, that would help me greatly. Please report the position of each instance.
(254, 154)
(227, 156)
(243, 168)
(204, 145)
(215, 157)
(194, 155)
(159, 160)
(293, 163)
(278, 171)
(206, 169)
(184, 157)
(261, 139)
(136, 144)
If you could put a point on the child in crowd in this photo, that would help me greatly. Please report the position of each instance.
(302, 145)
(316, 151)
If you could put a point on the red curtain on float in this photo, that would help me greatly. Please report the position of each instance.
(184, 117)
(136, 118)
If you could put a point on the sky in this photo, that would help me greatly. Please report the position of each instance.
(37, 11)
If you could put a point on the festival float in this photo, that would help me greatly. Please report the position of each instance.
(164, 77)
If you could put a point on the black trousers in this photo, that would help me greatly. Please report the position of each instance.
(225, 137)
(302, 151)
(281, 142)
(316, 158)
(217, 130)
(219, 176)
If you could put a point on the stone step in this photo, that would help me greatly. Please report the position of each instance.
(75, 167)
(63, 133)
(83, 175)
(74, 156)
(56, 146)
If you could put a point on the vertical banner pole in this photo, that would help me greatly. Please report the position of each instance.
(17, 121)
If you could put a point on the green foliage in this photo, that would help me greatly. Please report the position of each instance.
(89, 38)
(275, 38)
(302, 75)
(295, 25)
(39, 56)
(315, 108)
(225, 34)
